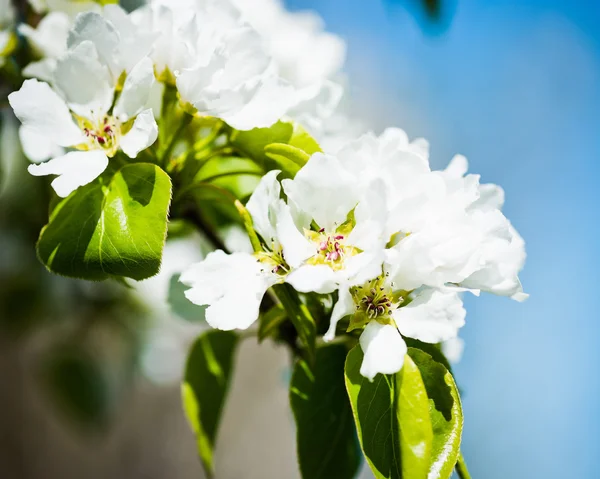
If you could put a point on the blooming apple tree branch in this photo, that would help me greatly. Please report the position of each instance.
(227, 114)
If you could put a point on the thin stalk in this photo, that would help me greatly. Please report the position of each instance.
(198, 186)
(184, 123)
(231, 173)
(461, 468)
(194, 217)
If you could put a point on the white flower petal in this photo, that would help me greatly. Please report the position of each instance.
(296, 247)
(263, 204)
(432, 316)
(324, 189)
(371, 216)
(38, 148)
(143, 133)
(343, 307)
(384, 350)
(42, 70)
(49, 38)
(313, 278)
(136, 91)
(93, 27)
(42, 111)
(231, 285)
(84, 81)
(360, 268)
(260, 108)
(453, 349)
(458, 167)
(75, 169)
(135, 41)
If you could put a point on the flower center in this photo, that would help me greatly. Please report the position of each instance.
(331, 248)
(374, 301)
(274, 261)
(102, 134)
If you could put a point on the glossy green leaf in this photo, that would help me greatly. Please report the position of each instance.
(288, 158)
(300, 317)
(304, 141)
(252, 143)
(284, 145)
(182, 306)
(445, 411)
(434, 350)
(325, 432)
(270, 321)
(206, 381)
(392, 419)
(116, 229)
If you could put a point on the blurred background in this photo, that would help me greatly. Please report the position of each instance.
(89, 373)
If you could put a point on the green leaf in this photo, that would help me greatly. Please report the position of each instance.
(325, 432)
(77, 385)
(445, 411)
(434, 350)
(206, 381)
(252, 142)
(289, 158)
(182, 306)
(286, 146)
(114, 230)
(392, 418)
(304, 141)
(270, 321)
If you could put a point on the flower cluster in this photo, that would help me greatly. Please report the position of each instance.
(185, 118)
(99, 76)
(394, 241)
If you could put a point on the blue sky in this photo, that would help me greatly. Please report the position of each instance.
(515, 86)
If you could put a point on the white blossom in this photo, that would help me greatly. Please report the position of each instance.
(303, 245)
(444, 234)
(48, 41)
(75, 114)
(224, 66)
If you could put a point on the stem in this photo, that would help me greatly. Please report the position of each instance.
(461, 468)
(194, 217)
(195, 186)
(231, 173)
(184, 123)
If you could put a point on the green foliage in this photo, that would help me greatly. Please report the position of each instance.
(392, 419)
(300, 317)
(288, 158)
(206, 381)
(182, 306)
(302, 140)
(77, 385)
(445, 411)
(326, 437)
(285, 146)
(269, 322)
(114, 229)
(252, 143)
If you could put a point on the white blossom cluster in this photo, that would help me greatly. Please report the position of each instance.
(392, 243)
(396, 241)
(92, 89)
